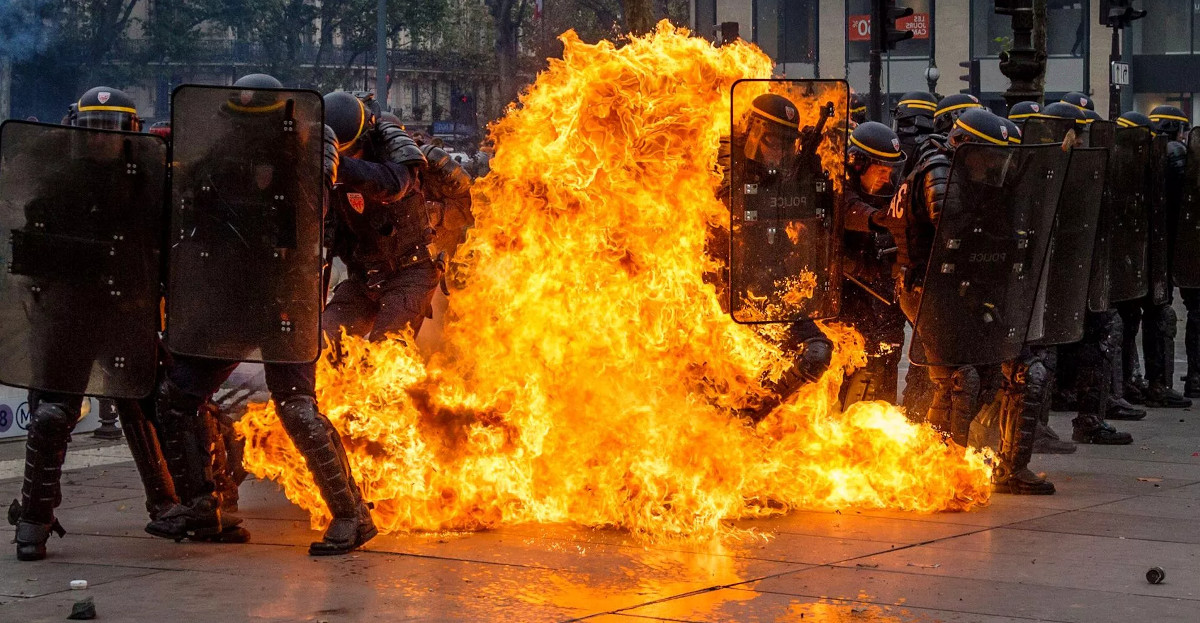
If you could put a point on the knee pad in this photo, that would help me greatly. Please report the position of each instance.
(965, 380)
(303, 422)
(174, 404)
(49, 421)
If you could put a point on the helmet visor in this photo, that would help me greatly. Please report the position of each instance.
(769, 144)
(881, 179)
(106, 120)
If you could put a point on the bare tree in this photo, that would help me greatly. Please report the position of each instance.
(639, 16)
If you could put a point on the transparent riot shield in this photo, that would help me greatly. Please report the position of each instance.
(1102, 134)
(244, 274)
(786, 173)
(1045, 130)
(81, 213)
(1129, 242)
(1159, 253)
(1068, 274)
(992, 238)
(1186, 261)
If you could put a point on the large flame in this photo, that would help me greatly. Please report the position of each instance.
(588, 373)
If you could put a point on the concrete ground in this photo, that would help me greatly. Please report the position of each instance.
(1080, 556)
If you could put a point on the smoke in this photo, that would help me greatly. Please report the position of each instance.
(24, 27)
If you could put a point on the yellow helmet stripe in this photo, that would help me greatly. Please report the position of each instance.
(362, 121)
(957, 106)
(1169, 117)
(763, 113)
(1125, 123)
(127, 109)
(959, 123)
(256, 109)
(875, 152)
(918, 104)
(1024, 115)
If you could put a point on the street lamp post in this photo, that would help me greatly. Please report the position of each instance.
(1022, 64)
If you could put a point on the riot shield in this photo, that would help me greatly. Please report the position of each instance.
(1159, 253)
(244, 280)
(81, 214)
(1068, 273)
(1045, 130)
(1186, 261)
(1102, 134)
(991, 243)
(1129, 242)
(786, 204)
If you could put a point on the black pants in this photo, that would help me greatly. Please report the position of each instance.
(374, 309)
(882, 326)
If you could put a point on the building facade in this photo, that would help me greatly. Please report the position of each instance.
(830, 39)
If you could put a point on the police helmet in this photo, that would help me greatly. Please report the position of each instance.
(773, 129)
(1091, 116)
(1169, 120)
(978, 125)
(1024, 110)
(875, 158)
(1014, 131)
(106, 108)
(949, 109)
(913, 114)
(858, 108)
(1079, 100)
(253, 97)
(1134, 119)
(1063, 110)
(348, 117)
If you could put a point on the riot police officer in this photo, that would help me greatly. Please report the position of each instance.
(913, 218)
(1153, 314)
(912, 121)
(876, 162)
(1079, 100)
(382, 222)
(255, 114)
(950, 108)
(1022, 111)
(771, 139)
(858, 109)
(54, 414)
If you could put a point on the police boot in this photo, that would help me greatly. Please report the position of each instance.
(1191, 386)
(45, 450)
(1019, 420)
(1046, 441)
(186, 446)
(1093, 429)
(223, 483)
(321, 446)
(1120, 409)
(142, 439)
(1162, 397)
(1135, 389)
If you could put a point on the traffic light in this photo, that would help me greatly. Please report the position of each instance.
(1118, 13)
(884, 34)
(462, 108)
(971, 77)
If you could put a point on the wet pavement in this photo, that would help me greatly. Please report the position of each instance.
(1079, 556)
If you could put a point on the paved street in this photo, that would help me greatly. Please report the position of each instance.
(1080, 555)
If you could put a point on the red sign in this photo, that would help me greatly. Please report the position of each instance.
(859, 26)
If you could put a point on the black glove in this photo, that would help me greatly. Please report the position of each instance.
(332, 157)
(445, 179)
(398, 146)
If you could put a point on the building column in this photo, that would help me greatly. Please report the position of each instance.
(1099, 48)
(952, 27)
(831, 32)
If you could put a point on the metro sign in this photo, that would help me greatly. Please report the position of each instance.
(859, 26)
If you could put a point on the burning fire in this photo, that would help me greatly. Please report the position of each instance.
(588, 373)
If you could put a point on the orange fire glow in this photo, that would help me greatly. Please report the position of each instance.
(587, 372)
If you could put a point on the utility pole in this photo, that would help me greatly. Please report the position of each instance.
(884, 36)
(1023, 64)
(1117, 15)
(381, 60)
